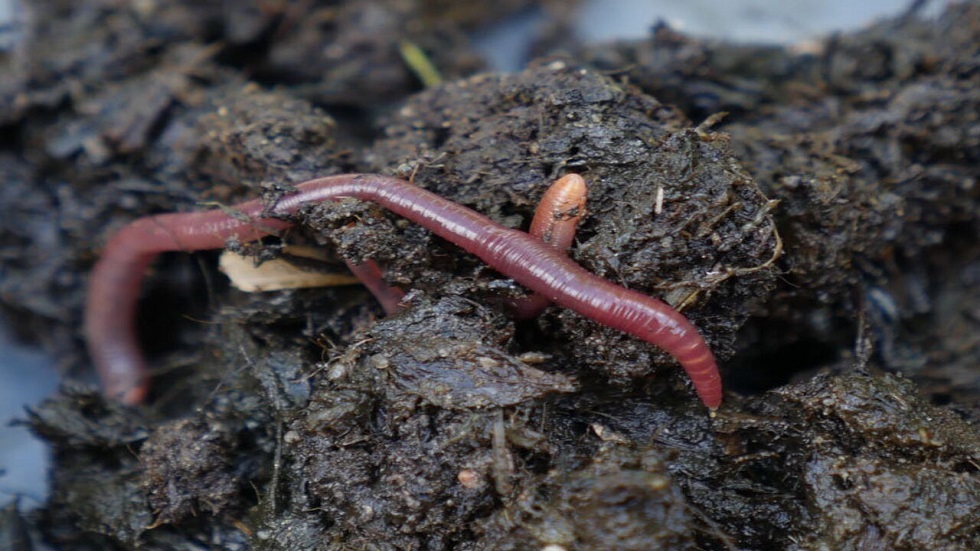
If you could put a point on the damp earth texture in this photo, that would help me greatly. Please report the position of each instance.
(813, 212)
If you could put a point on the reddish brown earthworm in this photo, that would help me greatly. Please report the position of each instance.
(115, 282)
(371, 276)
(555, 221)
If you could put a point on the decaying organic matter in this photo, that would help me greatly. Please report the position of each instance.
(822, 236)
(869, 141)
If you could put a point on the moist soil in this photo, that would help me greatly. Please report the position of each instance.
(813, 210)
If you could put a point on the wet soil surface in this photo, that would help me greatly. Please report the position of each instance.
(821, 234)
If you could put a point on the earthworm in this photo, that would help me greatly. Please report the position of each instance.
(371, 276)
(555, 221)
(114, 286)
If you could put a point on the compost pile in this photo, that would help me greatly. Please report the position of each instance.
(814, 211)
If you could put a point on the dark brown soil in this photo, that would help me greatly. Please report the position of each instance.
(822, 236)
